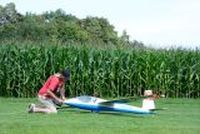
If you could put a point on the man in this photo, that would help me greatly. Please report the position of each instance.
(47, 94)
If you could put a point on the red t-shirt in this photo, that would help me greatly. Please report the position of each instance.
(53, 83)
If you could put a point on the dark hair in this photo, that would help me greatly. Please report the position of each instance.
(66, 73)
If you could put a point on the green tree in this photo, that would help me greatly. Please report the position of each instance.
(59, 26)
(99, 30)
(8, 19)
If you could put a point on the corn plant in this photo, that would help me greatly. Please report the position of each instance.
(112, 72)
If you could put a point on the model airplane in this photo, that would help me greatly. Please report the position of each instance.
(95, 104)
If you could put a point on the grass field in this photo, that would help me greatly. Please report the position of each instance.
(182, 116)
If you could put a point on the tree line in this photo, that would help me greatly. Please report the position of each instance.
(57, 26)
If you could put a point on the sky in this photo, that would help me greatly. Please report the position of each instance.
(156, 23)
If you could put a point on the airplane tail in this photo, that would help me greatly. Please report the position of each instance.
(148, 104)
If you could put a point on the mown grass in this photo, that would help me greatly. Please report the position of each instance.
(182, 116)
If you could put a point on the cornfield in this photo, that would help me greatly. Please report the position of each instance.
(109, 72)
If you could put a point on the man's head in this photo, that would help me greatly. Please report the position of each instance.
(65, 73)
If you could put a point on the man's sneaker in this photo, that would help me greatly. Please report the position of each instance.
(31, 108)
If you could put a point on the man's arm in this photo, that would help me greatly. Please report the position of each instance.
(62, 93)
(50, 93)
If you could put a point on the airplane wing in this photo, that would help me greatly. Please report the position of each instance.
(111, 102)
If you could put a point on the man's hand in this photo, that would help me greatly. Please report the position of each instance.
(63, 98)
(60, 101)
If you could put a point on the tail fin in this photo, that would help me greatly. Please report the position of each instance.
(148, 104)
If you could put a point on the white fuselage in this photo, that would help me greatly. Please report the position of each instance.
(97, 104)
